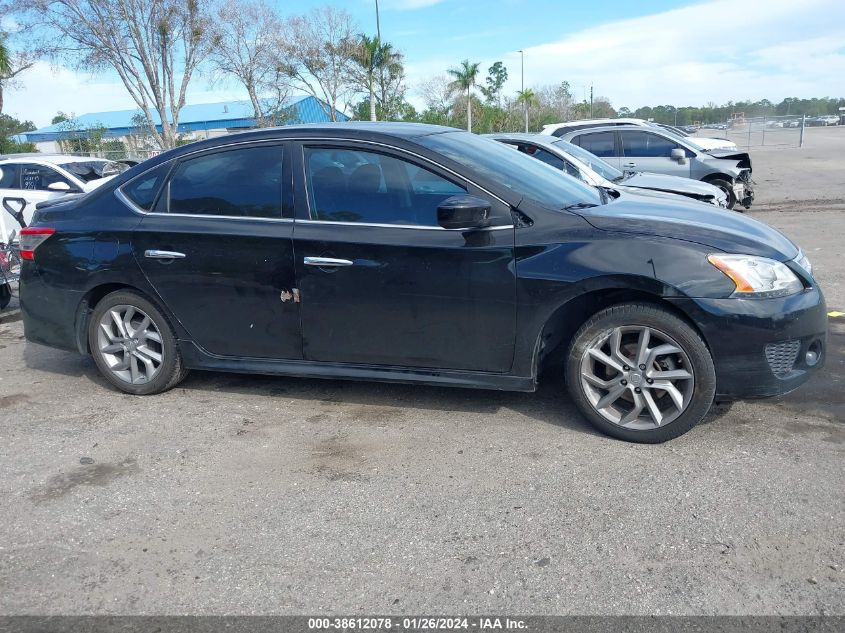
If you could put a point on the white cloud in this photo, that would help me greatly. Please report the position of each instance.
(714, 51)
(408, 5)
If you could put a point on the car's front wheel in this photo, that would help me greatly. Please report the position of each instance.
(640, 373)
(133, 344)
(727, 189)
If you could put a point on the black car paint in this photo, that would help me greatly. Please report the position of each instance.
(531, 284)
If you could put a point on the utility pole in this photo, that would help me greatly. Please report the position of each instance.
(591, 101)
(522, 81)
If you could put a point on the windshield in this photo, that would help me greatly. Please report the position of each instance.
(526, 176)
(675, 130)
(606, 170)
(90, 170)
(684, 140)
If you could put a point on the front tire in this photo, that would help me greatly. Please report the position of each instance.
(727, 189)
(639, 373)
(134, 345)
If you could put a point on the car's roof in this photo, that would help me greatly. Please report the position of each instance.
(386, 128)
(597, 122)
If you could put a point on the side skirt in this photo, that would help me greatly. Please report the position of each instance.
(196, 358)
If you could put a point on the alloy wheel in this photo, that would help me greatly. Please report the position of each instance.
(130, 344)
(637, 377)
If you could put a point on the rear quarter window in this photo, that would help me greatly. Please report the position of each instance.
(142, 191)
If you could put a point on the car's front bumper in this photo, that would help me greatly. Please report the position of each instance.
(744, 193)
(760, 346)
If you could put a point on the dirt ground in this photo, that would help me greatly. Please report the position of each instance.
(244, 494)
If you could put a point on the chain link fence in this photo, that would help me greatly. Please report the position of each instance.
(766, 131)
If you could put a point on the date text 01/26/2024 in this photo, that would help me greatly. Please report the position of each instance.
(415, 624)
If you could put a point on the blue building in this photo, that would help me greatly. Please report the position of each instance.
(195, 121)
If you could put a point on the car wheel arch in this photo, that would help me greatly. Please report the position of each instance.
(90, 300)
(554, 337)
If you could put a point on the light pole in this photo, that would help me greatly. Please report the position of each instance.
(378, 25)
(522, 82)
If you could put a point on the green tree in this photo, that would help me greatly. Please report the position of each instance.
(10, 126)
(373, 56)
(497, 75)
(464, 80)
(526, 98)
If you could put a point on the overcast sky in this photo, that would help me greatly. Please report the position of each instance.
(634, 53)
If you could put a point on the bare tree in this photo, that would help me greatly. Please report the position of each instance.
(154, 46)
(436, 93)
(317, 53)
(14, 59)
(244, 47)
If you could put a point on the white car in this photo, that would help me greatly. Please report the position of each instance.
(703, 142)
(34, 178)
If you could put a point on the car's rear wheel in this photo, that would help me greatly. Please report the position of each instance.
(5, 295)
(727, 189)
(133, 344)
(640, 373)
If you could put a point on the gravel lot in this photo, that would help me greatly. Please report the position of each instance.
(242, 494)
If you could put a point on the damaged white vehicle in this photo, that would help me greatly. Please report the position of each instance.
(27, 179)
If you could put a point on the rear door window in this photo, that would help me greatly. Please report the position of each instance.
(646, 144)
(244, 182)
(597, 143)
(40, 177)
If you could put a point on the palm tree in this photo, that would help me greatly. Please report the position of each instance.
(373, 56)
(5, 67)
(527, 98)
(465, 76)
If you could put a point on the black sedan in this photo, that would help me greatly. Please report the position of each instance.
(420, 254)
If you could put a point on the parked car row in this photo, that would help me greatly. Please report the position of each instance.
(591, 169)
(424, 254)
(650, 148)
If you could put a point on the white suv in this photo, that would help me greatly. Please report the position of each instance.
(705, 143)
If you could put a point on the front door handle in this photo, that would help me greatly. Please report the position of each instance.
(325, 262)
(630, 164)
(154, 254)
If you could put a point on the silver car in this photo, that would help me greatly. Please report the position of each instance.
(592, 170)
(661, 152)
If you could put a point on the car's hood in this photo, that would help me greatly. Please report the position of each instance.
(743, 160)
(691, 221)
(713, 143)
(660, 182)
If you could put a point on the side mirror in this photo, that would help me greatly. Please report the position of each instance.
(463, 213)
(679, 155)
(59, 186)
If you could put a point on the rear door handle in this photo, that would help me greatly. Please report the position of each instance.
(630, 164)
(325, 262)
(154, 254)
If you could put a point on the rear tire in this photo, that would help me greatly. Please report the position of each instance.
(133, 344)
(663, 383)
(5, 295)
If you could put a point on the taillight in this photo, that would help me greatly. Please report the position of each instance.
(31, 238)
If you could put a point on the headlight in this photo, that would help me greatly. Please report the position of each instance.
(757, 276)
(803, 261)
